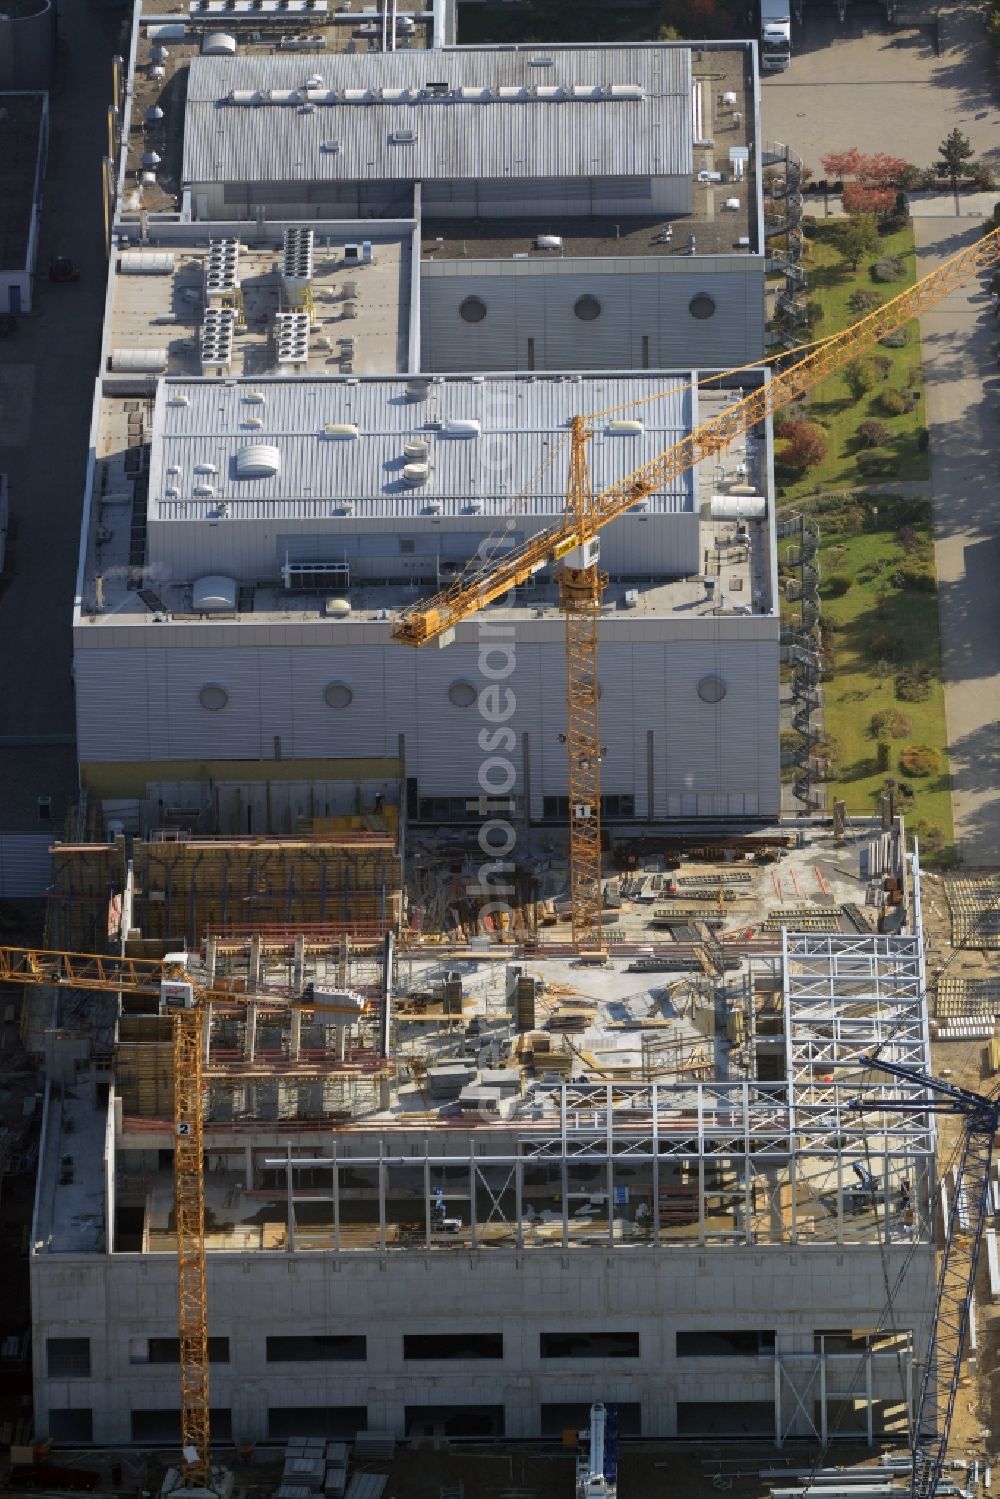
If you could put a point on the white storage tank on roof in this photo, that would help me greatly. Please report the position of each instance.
(738, 507)
(138, 361)
(146, 262)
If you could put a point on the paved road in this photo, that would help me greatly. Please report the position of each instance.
(47, 373)
(963, 414)
(864, 84)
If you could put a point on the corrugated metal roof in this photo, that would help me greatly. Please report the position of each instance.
(557, 134)
(522, 444)
(25, 865)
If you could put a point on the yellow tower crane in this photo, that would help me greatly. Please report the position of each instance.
(178, 994)
(574, 543)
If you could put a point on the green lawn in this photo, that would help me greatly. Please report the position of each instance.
(830, 284)
(880, 628)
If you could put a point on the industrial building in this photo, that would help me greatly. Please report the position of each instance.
(243, 635)
(644, 1183)
(576, 208)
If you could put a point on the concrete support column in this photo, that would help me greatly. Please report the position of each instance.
(248, 1167)
(299, 966)
(295, 1044)
(343, 961)
(250, 1034)
(211, 958)
(253, 979)
(206, 1033)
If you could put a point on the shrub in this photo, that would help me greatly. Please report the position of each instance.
(896, 338)
(892, 401)
(889, 268)
(884, 752)
(890, 723)
(919, 760)
(837, 584)
(913, 686)
(857, 198)
(910, 177)
(860, 378)
(873, 433)
(876, 464)
(919, 579)
(862, 300)
(881, 364)
(982, 177)
(805, 446)
(923, 440)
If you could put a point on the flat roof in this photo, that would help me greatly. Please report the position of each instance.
(133, 591)
(461, 113)
(166, 312)
(160, 83)
(20, 127)
(487, 438)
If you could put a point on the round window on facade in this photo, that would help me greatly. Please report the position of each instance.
(472, 310)
(213, 696)
(711, 689)
(587, 308)
(462, 694)
(337, 695)
(702, 306)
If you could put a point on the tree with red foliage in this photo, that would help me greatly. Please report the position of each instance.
(804, 445)
(880, 169)
(858, 197)
(842, 163)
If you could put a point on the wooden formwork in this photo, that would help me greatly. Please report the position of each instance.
(83, 906)
(187, 889)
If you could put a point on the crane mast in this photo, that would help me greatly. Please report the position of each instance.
(187, 1002)
(586, 513)
(956, 1281)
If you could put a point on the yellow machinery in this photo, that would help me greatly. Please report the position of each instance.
(169, 982)
(575, 542)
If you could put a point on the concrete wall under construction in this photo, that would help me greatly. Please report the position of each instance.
(119, 1311)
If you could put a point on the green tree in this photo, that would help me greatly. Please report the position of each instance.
(856, 239)
(860, 377)
(956, 153)
(668, 34)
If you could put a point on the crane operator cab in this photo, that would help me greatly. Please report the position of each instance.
(176, 991)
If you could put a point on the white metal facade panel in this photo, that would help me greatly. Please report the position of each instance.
(645, 321)
(453, 140)
(25, 865)
(709, 759)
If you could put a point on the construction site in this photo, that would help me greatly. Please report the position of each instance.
(445, 1084)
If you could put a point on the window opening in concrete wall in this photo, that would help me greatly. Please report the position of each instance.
(725, 1418)
(339, 1421)
(702, 306)
(71, 1425)
(715, 1343)
(569, 1416)
(472, 310)
(321, 1348)
(453, 1345)
(67, 1358)
(165, 1425)
(167, 1351)
(858, 1340)
(589, 1344)
(455, 1420)
(587, 308)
